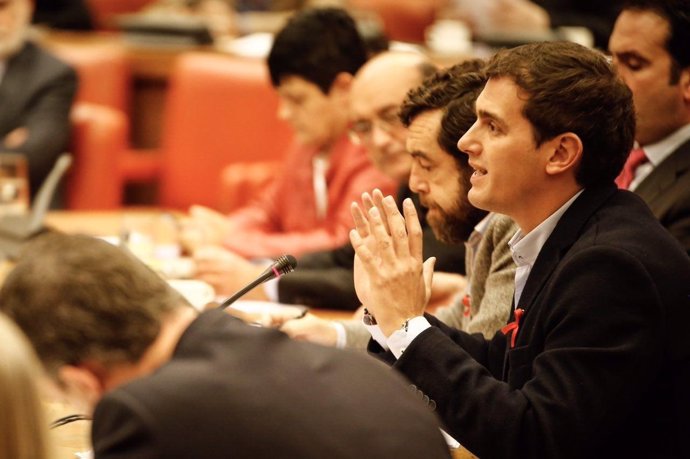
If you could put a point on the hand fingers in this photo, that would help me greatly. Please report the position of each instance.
(396, 227)
(428, 276)
(373, 200)
(414, 229)
(367, 202)
(378, 198)
(366, 257)
(361, 220)
(383, 241)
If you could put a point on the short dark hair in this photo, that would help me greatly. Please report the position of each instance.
(570, 88)
(458, 86)
(454, 92)
(78, 297)
(677, 14)
(317, 44)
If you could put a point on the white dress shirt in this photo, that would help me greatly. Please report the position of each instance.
(525, 251)
(525, 248)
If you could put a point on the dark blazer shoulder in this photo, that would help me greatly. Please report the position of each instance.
(667, 193)
(33, 56)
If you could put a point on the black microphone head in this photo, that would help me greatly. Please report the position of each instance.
(285, 264)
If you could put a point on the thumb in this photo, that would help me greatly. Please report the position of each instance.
(428, 275)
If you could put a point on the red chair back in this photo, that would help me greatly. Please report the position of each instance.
(99, 137)
(220, 109)
(402, 20)
(103, 69)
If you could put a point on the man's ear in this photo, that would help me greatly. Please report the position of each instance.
(82, 386)
(685, 84)
(341, 84)
(566, 152)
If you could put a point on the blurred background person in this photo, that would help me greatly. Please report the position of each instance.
(538, 15)
(650, 45)
(485, 304)
(507, 20)
(165, 382)
(23, 427)
(36, 94)
(307, 207)
(227, 18)
(324, 278)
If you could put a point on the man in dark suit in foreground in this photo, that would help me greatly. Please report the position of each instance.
(595, 361)
(36, 93)
(650, 45)
(167, 383)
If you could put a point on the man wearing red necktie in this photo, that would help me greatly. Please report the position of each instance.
(649, 48)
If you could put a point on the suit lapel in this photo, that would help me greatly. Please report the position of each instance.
(565, 234)
(665, 175)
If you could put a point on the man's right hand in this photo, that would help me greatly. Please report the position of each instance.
(203, 226)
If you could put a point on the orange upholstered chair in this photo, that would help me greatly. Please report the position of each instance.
(220, 110)
(99, 136)
(103, 69)
(403, 20)
(101, 124)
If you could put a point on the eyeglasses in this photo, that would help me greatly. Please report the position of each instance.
(386, 120)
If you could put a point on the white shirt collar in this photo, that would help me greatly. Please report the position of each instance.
(659, 151)
(525, 248)
(484, 223)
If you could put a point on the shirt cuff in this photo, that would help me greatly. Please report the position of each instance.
(341, 339)
(377, 334)
(400, 340)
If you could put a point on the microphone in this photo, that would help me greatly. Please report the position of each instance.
(282, 265)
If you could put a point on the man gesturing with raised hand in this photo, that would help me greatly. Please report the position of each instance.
(596, 351)
(385, 242)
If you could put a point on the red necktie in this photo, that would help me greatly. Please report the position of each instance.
(635, 158)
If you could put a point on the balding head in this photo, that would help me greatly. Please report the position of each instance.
(377, 92)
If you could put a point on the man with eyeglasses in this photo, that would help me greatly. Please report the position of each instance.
(324, 279)
(305, 207)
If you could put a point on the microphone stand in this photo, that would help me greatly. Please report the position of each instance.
(283, 265)
(244, 290)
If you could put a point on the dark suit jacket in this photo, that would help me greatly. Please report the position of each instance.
(598, 16)
(62, 14)
(666, 190)
(325, 279)
(37, 92)
(232, 390)
(601, 366)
